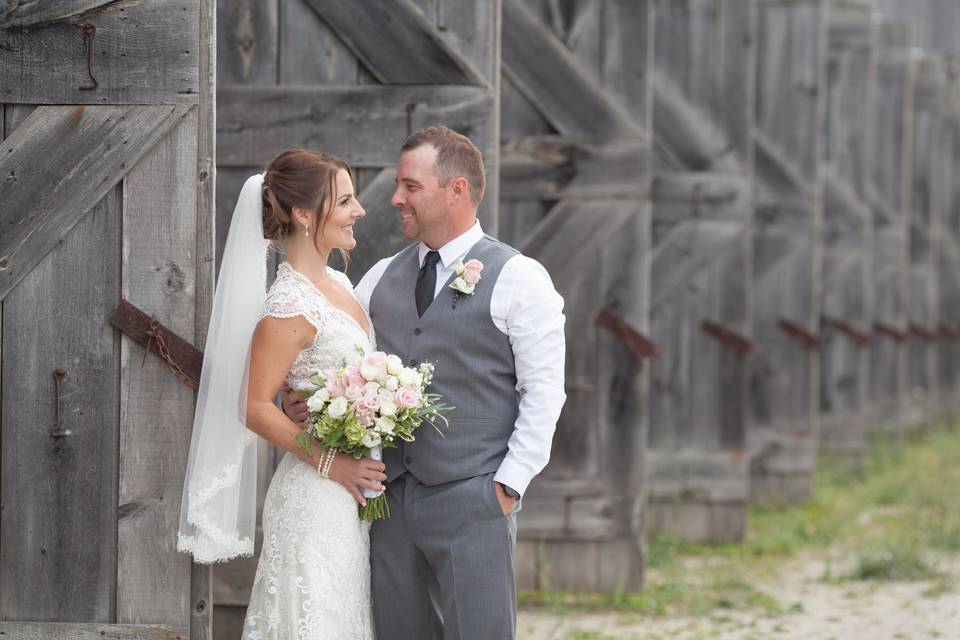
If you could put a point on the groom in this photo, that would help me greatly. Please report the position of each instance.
(443, 561)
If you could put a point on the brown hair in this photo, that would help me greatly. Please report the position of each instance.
(304, 179)
(456, 156)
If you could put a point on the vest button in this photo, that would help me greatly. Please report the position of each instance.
(417, 331)
(414, 363)
(407, 460)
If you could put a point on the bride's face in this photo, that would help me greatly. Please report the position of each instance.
(337, 231)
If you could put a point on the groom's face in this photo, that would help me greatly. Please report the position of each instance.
(419, 197)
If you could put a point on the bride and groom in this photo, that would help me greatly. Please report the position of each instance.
(441, 566)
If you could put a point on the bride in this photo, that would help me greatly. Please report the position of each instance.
(313, 575)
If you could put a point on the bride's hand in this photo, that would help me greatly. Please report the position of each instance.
(356, 475)
(294, 406)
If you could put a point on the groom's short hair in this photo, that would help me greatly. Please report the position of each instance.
(456, 156)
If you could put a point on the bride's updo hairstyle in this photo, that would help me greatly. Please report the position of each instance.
(299, 178)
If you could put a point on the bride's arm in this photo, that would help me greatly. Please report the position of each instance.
(276, 342)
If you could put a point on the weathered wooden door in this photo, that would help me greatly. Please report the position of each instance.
(847, 293)
(575, 195)
(352, 79)
(701, 268)
(787, 246)
(106, 195)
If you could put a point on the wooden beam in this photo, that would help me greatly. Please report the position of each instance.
(43, 199)
(563, 89)
(139, 53)
(396, 42)
(255, 123)
(688, 196)
(21, 15)
(86, 631)
(553, 168)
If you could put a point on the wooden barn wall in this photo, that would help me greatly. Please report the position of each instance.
(575, 172)
(108, 161)
(701, 268)
(791, 67)
(847, 292)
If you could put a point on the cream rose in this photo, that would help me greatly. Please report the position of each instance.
(338, 408)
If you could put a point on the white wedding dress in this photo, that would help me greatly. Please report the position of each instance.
(313, 575)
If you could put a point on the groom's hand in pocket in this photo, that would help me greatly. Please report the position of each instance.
(294, 406)
(506, 502)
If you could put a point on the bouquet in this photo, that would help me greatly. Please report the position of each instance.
(369, 405)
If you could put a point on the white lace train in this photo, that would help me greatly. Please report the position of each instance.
(313, 575)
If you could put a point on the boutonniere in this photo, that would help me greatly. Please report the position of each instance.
(468, 275)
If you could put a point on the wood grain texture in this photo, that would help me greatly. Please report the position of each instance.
(144, 53)
(96, 146)
(396, 42)
(529, 48)
(156, 410)
(25, 15)
(365, 124)
(48, 630)
(247, 41)
(58, 558)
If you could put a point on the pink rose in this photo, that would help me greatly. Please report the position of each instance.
(371, 397)
(353, 392)
(407, 398)
(471, 271)
(353, 377)
(374, 366)
(335, 386)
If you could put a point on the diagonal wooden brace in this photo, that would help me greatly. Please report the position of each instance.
(922, 332)
(638, 344)
(183, 358)
(809, 339)
(730, 338)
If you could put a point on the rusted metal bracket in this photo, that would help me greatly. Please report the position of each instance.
(638, 344)
(89, 32)
(730, 338)
(858, 335)
(807, 338)
(947, 332)
(891, 332)
(922, 332)
(182, 357)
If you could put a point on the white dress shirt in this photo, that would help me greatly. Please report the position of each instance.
(529, 311)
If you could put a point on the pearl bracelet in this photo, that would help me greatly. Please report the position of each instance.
(326, 462)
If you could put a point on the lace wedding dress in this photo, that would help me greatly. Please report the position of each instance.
(313, 576)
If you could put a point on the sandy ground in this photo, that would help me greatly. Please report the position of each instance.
(819, 610)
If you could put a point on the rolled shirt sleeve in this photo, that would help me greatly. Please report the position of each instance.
(528, 309)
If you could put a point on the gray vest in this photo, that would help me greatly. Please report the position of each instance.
(473, 367)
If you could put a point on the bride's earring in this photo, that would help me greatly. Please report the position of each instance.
(306, 231)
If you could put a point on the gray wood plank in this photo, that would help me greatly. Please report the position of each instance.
(396, 42)
(58, 558)
(529, 48)
(256, 123)
(201, 592)
(628, 57)
(247, 41)
(74, 631)
(35, 15)
(95, 146)
(144, 53)
(310, 52)
(379, 234)
(159, 267)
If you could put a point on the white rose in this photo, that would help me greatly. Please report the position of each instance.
(338, 407)
(388, 408)
(384, 425)
(371, 440)
(392, 382)
(409, 377)
(394, 364)
(317, 400)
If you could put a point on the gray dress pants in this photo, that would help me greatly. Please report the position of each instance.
(443, 563)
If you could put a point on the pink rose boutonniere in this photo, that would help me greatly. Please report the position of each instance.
(468, 275)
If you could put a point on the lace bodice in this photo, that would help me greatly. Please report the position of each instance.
(338, 334)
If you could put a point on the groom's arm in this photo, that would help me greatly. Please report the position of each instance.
(529, 310)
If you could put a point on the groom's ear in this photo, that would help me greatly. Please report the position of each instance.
(460, 187)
